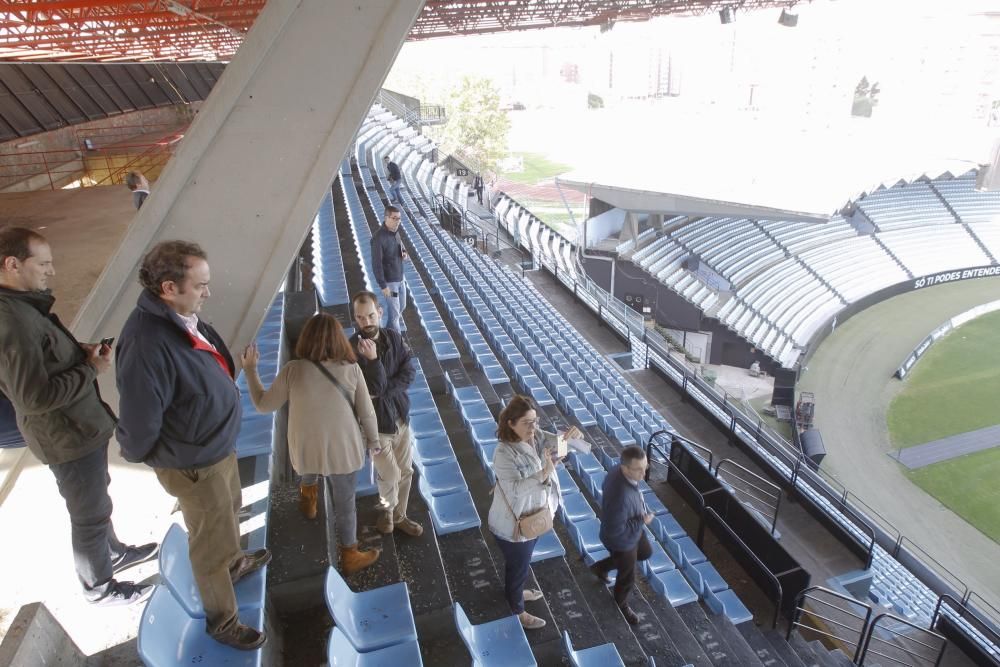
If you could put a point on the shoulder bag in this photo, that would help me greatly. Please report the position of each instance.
(530, 524)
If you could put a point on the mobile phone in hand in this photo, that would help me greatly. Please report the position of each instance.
(562, 446)
(108, 341)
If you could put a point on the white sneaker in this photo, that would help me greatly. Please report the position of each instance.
(529, 622)
(530, 595)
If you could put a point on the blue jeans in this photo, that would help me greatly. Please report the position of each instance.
(394, 306)
(83, 484)
(394, 192)
(341, 490)
(517, 565)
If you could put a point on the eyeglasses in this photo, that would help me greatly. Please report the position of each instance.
(529, 422)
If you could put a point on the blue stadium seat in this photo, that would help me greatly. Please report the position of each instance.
(373, 619)
(726, 602)
(499, 643)
(478, 411)
(450, 513)
(566, 482)
(432, 449)
(605, 655)
(665, 527)
(340, 653)
(168, 636)
(586, 535)
(444, 478)
(548, 546)
(672, 585)
(574, 507)
(426, 424)
(175, 570)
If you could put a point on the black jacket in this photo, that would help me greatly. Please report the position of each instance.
(388, 378)
(45, 375)
(393, 172)
(179, 406)
(622, 510)
(387, 256)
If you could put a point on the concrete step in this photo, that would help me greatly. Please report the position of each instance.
(717, 648)
(823, 653)
(684, 642)
(754, 638)
(783, 649)
(804, 651)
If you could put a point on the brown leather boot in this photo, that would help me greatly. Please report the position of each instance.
(352, 560)
(307, 500)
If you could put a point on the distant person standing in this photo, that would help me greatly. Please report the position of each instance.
(180, 415)
(623, 516)
(388, 256)
(395, 179)
(51, 381)
(139, 186)
(478, 186)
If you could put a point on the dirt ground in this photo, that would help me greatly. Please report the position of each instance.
(851, 375)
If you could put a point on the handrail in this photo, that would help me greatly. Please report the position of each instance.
(870, 634)
(779, 594)
(650, 445)
(799, 609)
(966, 613)
(775, 494)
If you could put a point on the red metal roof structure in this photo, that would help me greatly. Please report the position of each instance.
(163, 30)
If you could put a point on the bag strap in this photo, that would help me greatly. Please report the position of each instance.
(338, 385)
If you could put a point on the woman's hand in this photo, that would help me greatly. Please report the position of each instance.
(573, 433)
(548, 465)
(250, 357)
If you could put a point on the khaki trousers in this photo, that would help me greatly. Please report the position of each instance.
(394, 471)
(210, 499)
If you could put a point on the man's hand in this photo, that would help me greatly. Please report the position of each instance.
(648, 518)
(250, 357)
(366, 348)
(406, 257)
(386, 292)
(98, 356)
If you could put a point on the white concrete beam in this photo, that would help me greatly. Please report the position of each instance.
(249, 176)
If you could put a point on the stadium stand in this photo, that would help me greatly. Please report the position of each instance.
(484, 304)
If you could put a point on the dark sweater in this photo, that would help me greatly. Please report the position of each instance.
(388, 377)
(178, 404)
(387, 257)
(622, 512)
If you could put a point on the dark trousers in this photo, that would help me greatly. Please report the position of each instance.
(517, 564)
(624, 562)
(83, 484)
(210, 500)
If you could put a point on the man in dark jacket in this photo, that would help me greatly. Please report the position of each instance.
(51, 380)
(387, 263)
(477, 185)
(395, 179)
(180, 414)
(384, 358)
(623, 516)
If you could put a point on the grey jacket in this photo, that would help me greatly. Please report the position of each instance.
(45, 375)
(518, 469)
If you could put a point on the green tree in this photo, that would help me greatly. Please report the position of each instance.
(476, 128)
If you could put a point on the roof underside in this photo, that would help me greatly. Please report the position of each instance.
(109, 30)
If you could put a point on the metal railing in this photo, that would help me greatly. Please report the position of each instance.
(778, 594)
(755, 490)
(960, 611)
(908, 645)
(801, 609)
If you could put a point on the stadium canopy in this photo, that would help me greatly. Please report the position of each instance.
(110, 30)
(763, 170)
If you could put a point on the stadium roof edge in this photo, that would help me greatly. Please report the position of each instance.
(647, 201)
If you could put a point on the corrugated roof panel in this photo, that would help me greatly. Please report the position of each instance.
(61, 76)
(69, 113)
(34, 104)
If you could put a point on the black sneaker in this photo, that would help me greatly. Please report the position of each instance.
(134, 555)
(241, 637)
(630, 616)
(123, 593)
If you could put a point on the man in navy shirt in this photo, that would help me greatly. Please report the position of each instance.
(623, 516)
(395, 178)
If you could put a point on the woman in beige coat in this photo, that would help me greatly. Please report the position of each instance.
(323, 419)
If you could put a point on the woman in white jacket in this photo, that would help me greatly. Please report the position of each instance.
(524, 465)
